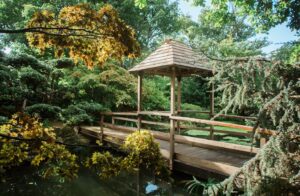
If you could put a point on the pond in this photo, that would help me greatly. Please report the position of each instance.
(26, 181)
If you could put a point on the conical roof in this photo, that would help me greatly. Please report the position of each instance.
(173, 54)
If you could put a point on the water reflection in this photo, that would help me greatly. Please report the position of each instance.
(26, 181)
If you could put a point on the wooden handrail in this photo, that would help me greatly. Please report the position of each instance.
(143, 121)
(223, 124)
(220, 115)
(246, 134)
(126, 119)
(119, 113)
(167, 113)
(238, 117)
(186, 119)
(193, 111)
(155, 113)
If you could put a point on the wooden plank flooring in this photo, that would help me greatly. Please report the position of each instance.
(219, 161)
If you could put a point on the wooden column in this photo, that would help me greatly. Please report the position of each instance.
(139, 100)
(113, 121)
(172, 122)
(212, 109)
(212, 100)
(262, 142)
(178, 100)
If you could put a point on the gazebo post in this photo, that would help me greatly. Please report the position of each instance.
(172, 122)
(178, 100)
(212, 100)
(139, 100)
(212, 109)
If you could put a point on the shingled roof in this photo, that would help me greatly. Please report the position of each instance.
(173, 54)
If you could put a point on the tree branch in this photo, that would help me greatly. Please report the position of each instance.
(45, 30)
(232, 59)
(57, 142)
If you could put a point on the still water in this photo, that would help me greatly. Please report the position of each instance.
(25, 181)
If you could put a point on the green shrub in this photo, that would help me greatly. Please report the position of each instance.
(90, 107)
(64, 63)
(188, 106)
(153, 95)
(3, 120)
(25, 60)
(74, 115)
(45, 111)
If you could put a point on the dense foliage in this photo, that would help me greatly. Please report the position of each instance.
(143, 153)
(262, 14)
(89, 33)
(59, 90)
(271, 91)
(24, 139)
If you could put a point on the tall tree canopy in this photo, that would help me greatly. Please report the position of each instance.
(263, 14)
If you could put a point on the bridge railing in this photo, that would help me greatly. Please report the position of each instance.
(135, 117)
(176, 122)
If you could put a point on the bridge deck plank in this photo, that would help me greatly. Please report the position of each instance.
(219, 161)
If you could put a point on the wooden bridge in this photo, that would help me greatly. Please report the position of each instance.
(195, 156)
(188, 154)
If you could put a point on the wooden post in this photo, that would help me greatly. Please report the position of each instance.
(178, 100)
(212, 101)
(262, 142)
(212, 110)
(101, 128)
(113, 121)
(139, 120)
(139, 100)
(172, 122)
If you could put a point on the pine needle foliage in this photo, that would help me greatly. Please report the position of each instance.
(271, 90)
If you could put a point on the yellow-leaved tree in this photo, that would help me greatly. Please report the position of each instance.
(24, 139)
(83, 33)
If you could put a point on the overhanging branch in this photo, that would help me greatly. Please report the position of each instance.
(44, 140)
(80, 32)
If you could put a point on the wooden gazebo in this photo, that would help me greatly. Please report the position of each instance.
(192, 154)
(176, 60)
